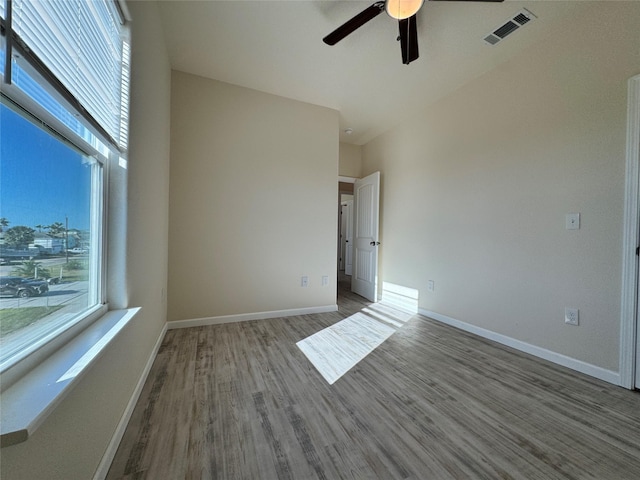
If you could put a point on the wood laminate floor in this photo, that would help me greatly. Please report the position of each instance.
(241, 401)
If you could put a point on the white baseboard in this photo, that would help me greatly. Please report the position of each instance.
(557, 358)
(112, 448)
(244, 317)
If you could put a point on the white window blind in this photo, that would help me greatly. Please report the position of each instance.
(83, 43)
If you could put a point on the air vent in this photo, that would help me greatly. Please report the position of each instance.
(518, 20)
(506, 29)
(521, 18)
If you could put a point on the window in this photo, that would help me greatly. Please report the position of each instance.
(64, 117)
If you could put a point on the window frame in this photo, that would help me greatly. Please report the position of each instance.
(104, 152)
(18, 365)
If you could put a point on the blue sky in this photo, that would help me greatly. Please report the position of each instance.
(42, 181)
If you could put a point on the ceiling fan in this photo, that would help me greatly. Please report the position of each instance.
(404, 11)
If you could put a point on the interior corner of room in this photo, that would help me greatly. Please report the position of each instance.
(509, 205)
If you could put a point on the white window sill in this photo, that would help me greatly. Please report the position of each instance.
(26, 404)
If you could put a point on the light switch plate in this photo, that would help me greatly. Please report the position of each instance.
(572, 221)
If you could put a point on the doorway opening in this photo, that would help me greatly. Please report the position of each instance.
(360, 234)
(345, 232)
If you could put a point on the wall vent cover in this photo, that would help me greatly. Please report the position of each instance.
(521, 18)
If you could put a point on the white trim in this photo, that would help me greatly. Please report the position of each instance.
(28, 402)
(630, 240)
(557, 358)
(16, 367)
(112, 448)
(244, 317)
(346, 179)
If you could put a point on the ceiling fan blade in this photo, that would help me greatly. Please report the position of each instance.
(409, 39)
(355, 23)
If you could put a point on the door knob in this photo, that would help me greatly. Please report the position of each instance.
(374, 244)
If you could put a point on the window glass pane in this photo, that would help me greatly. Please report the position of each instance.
(49, 196)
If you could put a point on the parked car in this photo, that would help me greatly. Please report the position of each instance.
(78, 250)
(22, 287)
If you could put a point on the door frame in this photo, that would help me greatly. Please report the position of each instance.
(629, 328)
(342, 180)
(343, 227)
(346, 241)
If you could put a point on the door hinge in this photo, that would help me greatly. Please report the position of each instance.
(638, 250)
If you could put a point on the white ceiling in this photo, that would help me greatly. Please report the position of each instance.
(276, 47)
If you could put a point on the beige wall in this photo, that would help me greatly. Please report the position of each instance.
(71, 442)
(350, 160)
(252, 203)
(475, 190)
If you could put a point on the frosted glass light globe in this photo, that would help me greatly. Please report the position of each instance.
(402, 9)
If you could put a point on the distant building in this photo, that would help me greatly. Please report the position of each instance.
(47, 244)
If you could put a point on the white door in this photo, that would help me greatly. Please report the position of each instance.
(366, 204)
(633, 165)
(347, 214)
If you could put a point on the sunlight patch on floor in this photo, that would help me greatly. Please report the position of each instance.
(338, 348)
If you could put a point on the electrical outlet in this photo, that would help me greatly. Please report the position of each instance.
(304, 281)
(431, 285)
(571, 316)
(325, 280)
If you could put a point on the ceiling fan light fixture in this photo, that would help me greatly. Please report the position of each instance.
(402, 9)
